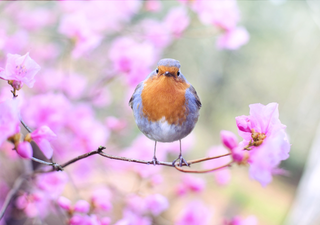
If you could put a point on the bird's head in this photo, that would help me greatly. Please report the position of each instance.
(169, 68)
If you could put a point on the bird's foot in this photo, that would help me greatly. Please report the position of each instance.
(155, 161)
(181, 161)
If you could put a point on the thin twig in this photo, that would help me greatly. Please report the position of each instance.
(25, 126)
(41, 161)
(202, 171)
(135, 160)
(100, 152)
(11, 194)
(207, 158)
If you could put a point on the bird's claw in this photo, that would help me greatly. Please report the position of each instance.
(155, 161)
(181, 161)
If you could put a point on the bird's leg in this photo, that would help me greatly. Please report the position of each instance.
(180, 158)
(155, 160)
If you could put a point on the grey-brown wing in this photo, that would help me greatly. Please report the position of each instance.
(133, 95)
(194, 93)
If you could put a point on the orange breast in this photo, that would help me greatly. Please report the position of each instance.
(165, 97)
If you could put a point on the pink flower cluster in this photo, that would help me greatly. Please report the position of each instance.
(47, 187)
(194, 213)
(225, 15)
(86, 213)
(75, 123)
(265, 142)
(19, 70)
(238, 220)
(10, 129)
(41, 137)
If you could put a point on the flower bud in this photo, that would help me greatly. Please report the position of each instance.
(25, 150)
(240, 156)
(15, 84)
(105, 221)
(82, 206)
(64, 203)
(244, 123)
(229, 139)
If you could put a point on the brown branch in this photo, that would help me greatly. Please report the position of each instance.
(57, 167)
(11, 194)
(103, 154)
(202, 171)
(25, 126)
(135, 160)
(207, 158)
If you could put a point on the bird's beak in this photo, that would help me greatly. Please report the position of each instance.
(168, 74)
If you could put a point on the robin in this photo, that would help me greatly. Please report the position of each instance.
(165, 106)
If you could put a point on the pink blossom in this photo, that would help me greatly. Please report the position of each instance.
(76, 26)
(136, 204)
(130, 218)
(52, 183)
(193, 183)
(9, 119)
(239, 155)
(250, 220)
(77, 220)
(74, 85)
(30, 19)
(37, 205)
(222, 13)
(267, 139)
(153, 5)
(42, 136)
(90, 132)
(25, 150)
(105, 221)
(82, 206)
(132, 58)
(244, 123)
(109, 16)
(49, 80)
(229, 139)
(64, 203)
(156, 179)
(156, 32)
(46, 109)
(21, 69)
(233, 39)
(17, 42)
(115, 124)
(101, 97)
(22, 201)
(101, 199)
(194, 213)
(84, 220)
(177, 20)
(223, 176)
(157, 203)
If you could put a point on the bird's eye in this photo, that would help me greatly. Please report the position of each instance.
(178, 73)
(157, 70)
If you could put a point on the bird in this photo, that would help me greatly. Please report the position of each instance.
(166, 106)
